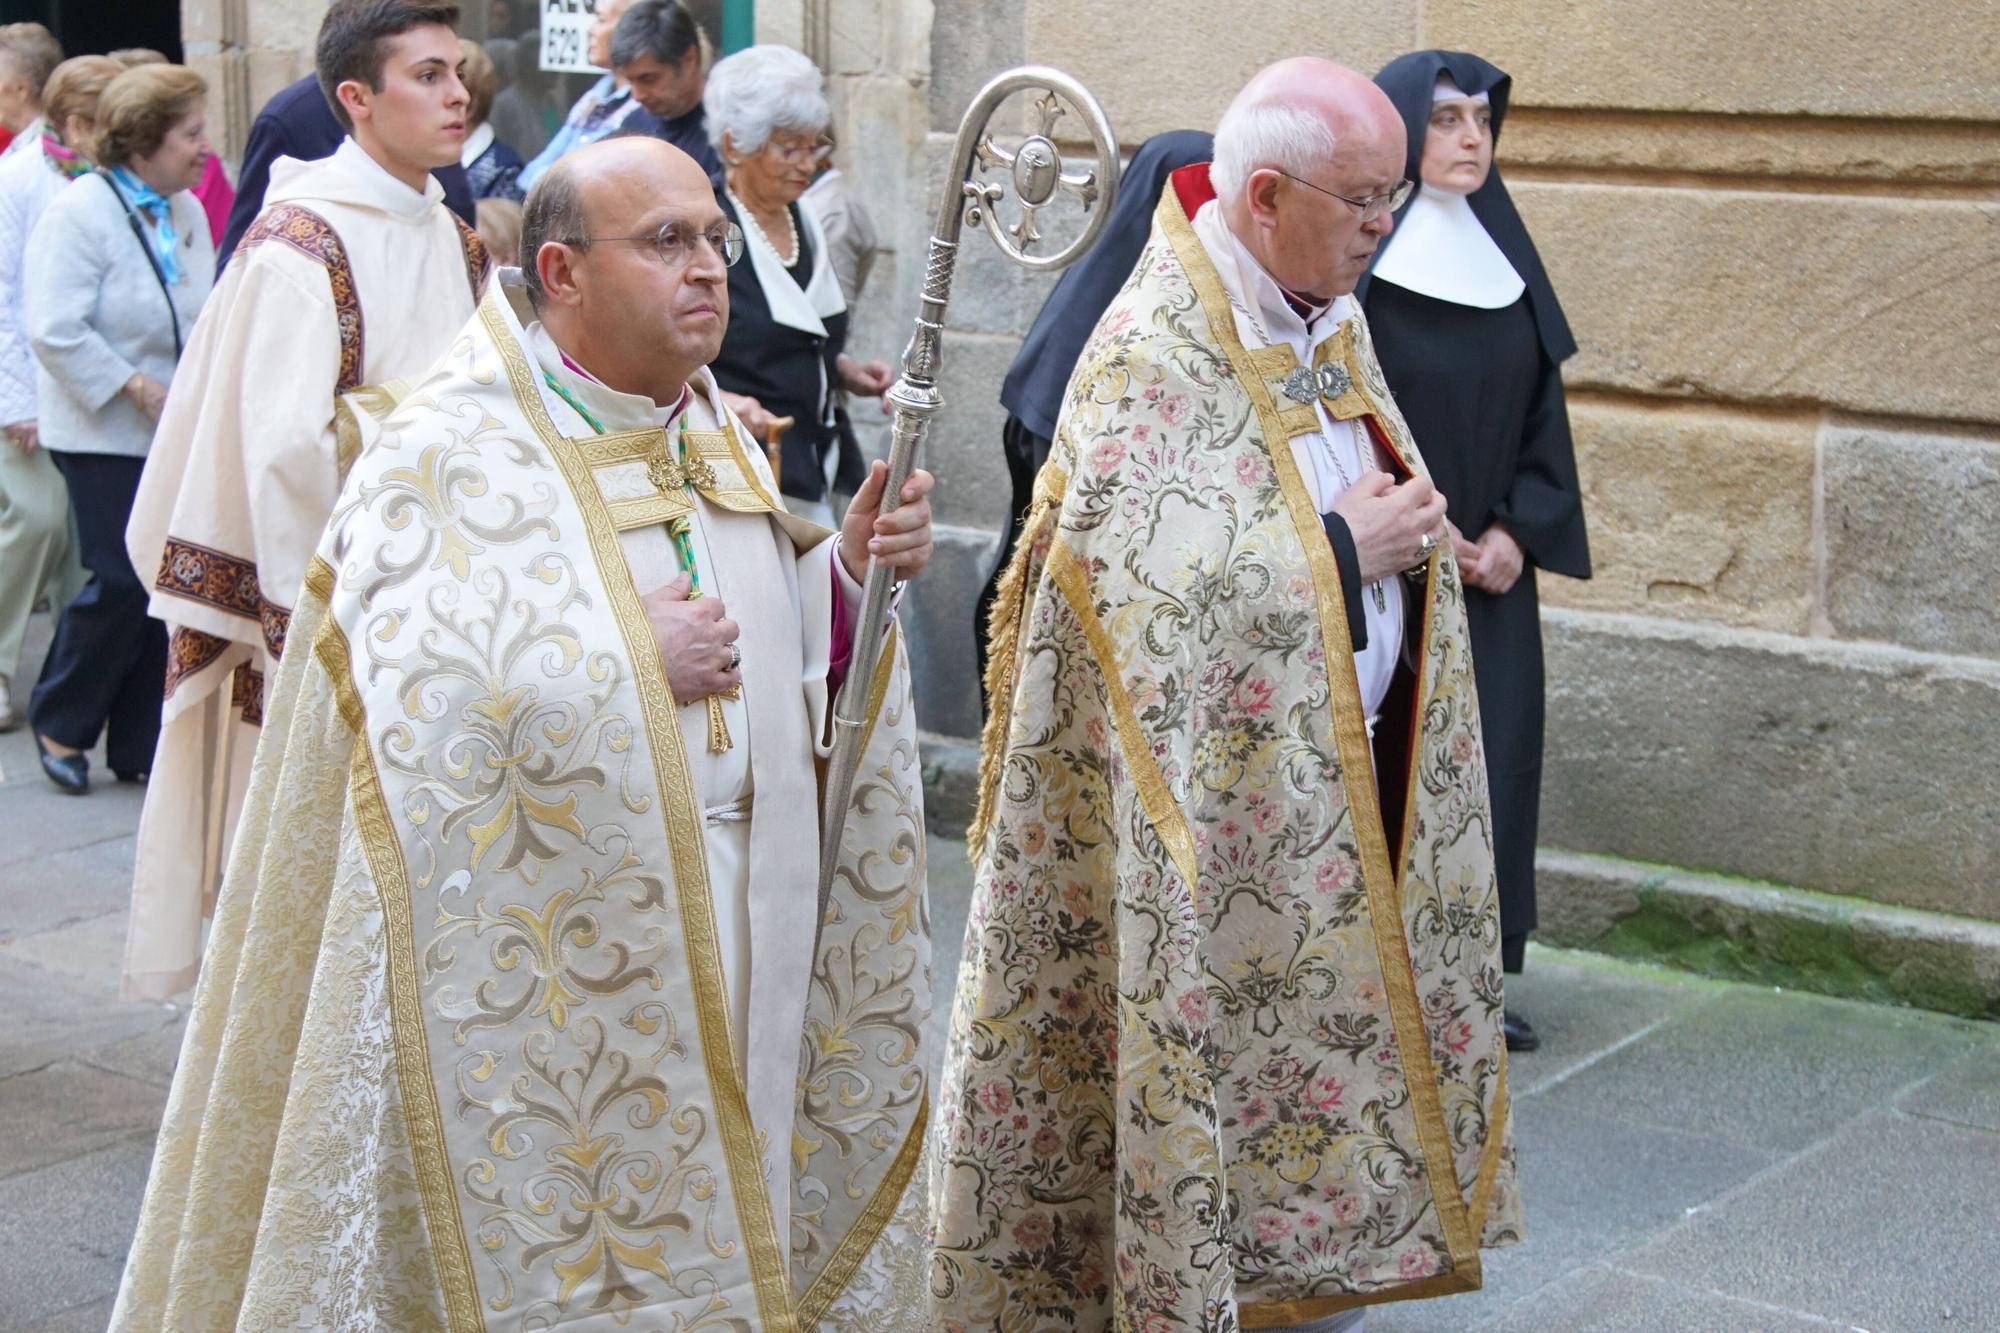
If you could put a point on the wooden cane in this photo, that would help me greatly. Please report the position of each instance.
(774, 452)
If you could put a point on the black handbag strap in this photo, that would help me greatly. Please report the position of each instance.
(159, 273)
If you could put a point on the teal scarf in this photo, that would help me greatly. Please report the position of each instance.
(153, 204)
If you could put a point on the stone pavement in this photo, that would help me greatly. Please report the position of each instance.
(1696, 1155)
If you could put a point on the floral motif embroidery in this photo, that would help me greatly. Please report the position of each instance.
(246, 694)
(1217, 1050)
(225, 582)
(478, 260)
(188, 651)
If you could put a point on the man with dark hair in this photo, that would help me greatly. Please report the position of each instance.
(606, 108)
(302, 122)
(29, 53)
(656, 50)
(354, 275)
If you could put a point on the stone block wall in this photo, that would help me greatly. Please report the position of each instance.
(247, 50)
(1776, 229)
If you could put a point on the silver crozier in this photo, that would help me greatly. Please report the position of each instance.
(1037, 173)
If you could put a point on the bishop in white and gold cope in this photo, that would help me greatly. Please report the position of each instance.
(514, 1014)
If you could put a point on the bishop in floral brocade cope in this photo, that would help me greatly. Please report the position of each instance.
(1221, 1056)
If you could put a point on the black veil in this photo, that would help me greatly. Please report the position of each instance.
(1410, 82)
(1034, 385)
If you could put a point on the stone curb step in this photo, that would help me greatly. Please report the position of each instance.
(1769, 934)
(1718, 927)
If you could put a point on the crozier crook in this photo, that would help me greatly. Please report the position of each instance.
(1035, 170)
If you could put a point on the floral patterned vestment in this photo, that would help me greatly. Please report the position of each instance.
(1221, 1055)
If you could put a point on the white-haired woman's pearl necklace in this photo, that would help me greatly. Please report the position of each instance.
(788, 257)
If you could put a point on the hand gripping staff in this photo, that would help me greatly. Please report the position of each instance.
(1035, 170)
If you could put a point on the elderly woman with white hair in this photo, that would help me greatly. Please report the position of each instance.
(767, 117)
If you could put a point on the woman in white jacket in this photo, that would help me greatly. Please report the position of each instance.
(123, 262)
(37, 552)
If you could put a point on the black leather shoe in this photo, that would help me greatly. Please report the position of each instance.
(1520, 1036)
(131, 775)
(71, 772)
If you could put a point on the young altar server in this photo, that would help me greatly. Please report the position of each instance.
(354, 275)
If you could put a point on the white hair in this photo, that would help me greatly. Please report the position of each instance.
(761, 89)
(1260, 133)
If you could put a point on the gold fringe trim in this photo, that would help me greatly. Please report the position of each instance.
(1003, 642)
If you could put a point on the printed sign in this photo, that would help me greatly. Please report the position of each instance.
(566, 36)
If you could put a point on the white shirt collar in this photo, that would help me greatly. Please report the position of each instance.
(476, 143)
(805, 309)
(1258, 292)
(614, 409)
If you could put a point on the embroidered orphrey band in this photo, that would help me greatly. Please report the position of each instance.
(225, 582)
(188, 651)
(314, 237)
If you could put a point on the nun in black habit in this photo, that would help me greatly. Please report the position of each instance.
(1471, 339)
(1032, 393)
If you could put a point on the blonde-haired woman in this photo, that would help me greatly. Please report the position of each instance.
(123, 265)
(37, 554)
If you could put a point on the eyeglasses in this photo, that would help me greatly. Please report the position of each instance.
(676, 241)
(806, 154)
(1374, 206)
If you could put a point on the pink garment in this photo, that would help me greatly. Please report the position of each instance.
(216, 195)
(841, 652)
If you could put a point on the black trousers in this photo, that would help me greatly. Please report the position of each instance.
(108, 664)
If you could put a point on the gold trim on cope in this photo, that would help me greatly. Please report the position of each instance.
(680, 814)
(878, 688)
(1282, 1314)
(625, 446)
(1350, 732)
(846, 1258)
(1162, 811)
(644, 511)
(1489, 1155)
(422, 1117)
(1003, 639)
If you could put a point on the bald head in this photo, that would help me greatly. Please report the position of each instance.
(1296, 115)
(622, 252)
(583, 192)
(620, 178)
(1298, 155)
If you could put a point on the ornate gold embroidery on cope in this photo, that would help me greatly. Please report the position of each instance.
(680, 814)
(719, 470)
